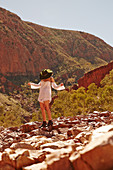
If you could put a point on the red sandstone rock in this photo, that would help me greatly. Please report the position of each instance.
(28, 127)
(6, 160)
(21, 158)
(39, 151)
(24, 160)
(95, 76)
(6, 166)
(22, 145)
(13, 128)
(74, 131)
(38, 166)
(96, 155)
(27, 48)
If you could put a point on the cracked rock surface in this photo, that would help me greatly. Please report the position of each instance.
(84, 142)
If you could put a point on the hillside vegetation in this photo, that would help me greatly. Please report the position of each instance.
(82, 101)
(27, 48)
(22, 106)
(11, 112)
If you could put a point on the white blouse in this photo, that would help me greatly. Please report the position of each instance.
(45, 89)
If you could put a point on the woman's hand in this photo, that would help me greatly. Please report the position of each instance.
(29, 84)
(62, 84)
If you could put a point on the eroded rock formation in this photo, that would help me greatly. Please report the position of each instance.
(27, 48)
(81, 142)
(95, 76)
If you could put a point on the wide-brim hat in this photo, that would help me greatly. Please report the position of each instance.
(46, 73)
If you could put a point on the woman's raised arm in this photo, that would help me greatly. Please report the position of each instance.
(34, 85)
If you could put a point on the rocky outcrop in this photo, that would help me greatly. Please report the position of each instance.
(6, 85)
(97, 155)
(81, 142)
(95, 76)
(27, 48)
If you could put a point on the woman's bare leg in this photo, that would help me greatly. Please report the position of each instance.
(42, 106)
(46, 103)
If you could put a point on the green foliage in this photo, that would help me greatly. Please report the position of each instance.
(11, 113)
(27, 98)
(92, 89)
(36, 116)
(1, 109)
(69, 103)
(63, 104)
(82, 102)
(108, 79)
(72, 103)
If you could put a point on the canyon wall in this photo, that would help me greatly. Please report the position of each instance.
(27, 48)
(95, 76)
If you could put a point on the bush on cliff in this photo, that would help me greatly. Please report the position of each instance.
(27, 98)
(11, 113)
(83, 102)
(107, 80)
(70, 103)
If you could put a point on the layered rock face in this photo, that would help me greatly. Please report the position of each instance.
(27, 48)
(95, 76)
(6, 85)
(81, 142)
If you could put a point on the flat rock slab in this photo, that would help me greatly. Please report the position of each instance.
(97, 155)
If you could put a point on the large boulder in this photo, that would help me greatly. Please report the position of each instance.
(98, 154)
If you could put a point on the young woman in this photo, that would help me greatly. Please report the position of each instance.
(47, 81)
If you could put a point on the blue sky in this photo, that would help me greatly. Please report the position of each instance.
(91, 16)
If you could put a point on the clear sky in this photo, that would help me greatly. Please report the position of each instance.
(91, 16)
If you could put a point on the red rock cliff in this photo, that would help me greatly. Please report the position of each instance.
(27, 48)
(95, 76)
